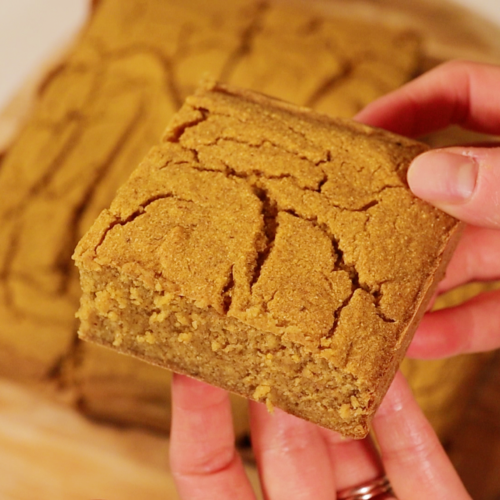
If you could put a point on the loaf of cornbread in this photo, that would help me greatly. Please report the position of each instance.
(270, 250)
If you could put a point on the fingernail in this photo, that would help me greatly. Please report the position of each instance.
(441, 176)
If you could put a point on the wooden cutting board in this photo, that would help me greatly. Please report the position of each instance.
(51, 452)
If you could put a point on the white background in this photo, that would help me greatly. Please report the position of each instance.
(31, 30)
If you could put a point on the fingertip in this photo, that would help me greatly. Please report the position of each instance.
(462, 181)
(190, 392)
(183, 381)
(281, 421)
(443, 177)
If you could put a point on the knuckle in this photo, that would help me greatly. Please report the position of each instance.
(205, 462)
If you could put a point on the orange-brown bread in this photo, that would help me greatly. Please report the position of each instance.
(270, 250)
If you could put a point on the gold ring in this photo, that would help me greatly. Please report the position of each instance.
(376, 489)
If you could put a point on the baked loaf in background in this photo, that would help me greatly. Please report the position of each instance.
(97, 116)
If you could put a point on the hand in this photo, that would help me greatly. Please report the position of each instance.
(462, 181)
(298, 460)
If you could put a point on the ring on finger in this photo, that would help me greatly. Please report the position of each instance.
(376, 489)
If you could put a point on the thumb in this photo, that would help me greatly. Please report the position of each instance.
(462, 181)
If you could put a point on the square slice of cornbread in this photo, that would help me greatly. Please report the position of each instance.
(270, 250)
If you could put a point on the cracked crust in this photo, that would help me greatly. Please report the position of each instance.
(270, 250)
(102, 108)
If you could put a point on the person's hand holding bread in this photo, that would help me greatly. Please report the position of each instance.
(299, 460)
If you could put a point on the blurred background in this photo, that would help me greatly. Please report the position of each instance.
(32, 32)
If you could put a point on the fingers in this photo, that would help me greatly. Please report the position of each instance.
(202, 454)
(415, 462)
(291, 455)
(456, 92)
(471, 327)
(462, 181)
(477, 258)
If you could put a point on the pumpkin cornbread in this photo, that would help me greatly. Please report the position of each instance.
(269, 250)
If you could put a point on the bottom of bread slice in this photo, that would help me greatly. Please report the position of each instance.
(170, 331)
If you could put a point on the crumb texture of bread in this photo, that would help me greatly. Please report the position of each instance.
(269, 250)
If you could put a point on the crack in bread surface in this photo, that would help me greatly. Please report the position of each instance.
(253, 176)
